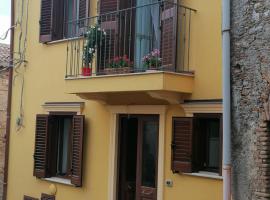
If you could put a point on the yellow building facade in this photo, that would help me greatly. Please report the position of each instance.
(48, 81)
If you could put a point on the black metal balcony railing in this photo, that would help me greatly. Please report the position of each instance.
(155, 36)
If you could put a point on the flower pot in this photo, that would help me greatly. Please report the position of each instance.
(121, 70)
(86, 71)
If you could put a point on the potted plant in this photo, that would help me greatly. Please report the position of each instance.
(119, 65)
(94, 38)
(152, 61)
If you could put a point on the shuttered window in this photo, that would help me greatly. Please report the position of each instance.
(46, 21)
(59, 19)
(59, 147)
(168, 34)
(77, 144)
(41, 146)
(197, 143)
(182, 145)
(108, 6)
(47, 197)
(29, 198)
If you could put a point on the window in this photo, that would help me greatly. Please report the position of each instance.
(47, 197)
(59, 147)
(197, 143)
(59, 141)
(61, 19)
(29, 198)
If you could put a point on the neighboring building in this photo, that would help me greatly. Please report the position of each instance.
(250, 99)
(126, 105)
(4, 62)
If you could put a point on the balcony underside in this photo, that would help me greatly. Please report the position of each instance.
(133, 89)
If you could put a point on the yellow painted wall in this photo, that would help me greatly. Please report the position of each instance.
(206, 49)
(44, 82)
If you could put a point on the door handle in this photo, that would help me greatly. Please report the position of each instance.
(147, 193)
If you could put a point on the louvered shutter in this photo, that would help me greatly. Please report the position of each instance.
(168, 34)
(108, 6)
(77, 150)
(29, 198)
(46, 21)
(182, 144)
(58, 19)
(41, 146)
(109, 23)
(47, 197)
(83, 14)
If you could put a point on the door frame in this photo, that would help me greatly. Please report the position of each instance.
(115, 111)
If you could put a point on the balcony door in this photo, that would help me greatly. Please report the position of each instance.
(147, 30)
(138, 153)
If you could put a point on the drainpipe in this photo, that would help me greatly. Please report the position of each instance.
(10, 78)
(226, 100)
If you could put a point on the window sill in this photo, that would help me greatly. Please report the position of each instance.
(204, 174)
(63, 40)
(59, 180)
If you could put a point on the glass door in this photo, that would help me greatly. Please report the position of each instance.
(147, 157)
(147, 30)
(138, 156)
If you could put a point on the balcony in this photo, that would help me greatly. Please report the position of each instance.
(137, 55)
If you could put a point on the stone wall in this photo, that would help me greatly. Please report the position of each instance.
(250, 66)
(3, 107)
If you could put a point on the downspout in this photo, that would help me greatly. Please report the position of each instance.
(10, 78)
(226, 100)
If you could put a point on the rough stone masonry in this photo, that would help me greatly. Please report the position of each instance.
(4, 62)
(250, 66)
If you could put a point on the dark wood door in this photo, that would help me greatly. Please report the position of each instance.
(138, 157)
(127, 158)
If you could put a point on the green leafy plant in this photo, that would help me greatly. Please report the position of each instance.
(94, 40)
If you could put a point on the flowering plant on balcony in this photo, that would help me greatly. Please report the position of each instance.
(152, 60)
(120, 62)
(94, 40)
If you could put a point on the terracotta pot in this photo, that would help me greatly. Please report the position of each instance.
(86, 71)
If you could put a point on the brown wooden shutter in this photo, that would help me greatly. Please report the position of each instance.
(168, 34)
(182, 144)
(41, 143)
(77, 150)
(108, 6)
(83, 10)
(46, 21)
(58, 19)
(29, 198)
(47, 197)
(83, 13)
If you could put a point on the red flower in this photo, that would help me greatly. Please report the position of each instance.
(116, 59)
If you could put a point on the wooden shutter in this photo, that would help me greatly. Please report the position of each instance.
(47, 197)
(77, 150)
(46, 21)
(168, 34)
(58, 19)
(108, 6)
(83, 13)
(41, 143)
(182, 144)
(83, 10)
(29, 198)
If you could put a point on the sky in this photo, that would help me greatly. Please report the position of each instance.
(4, 19)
